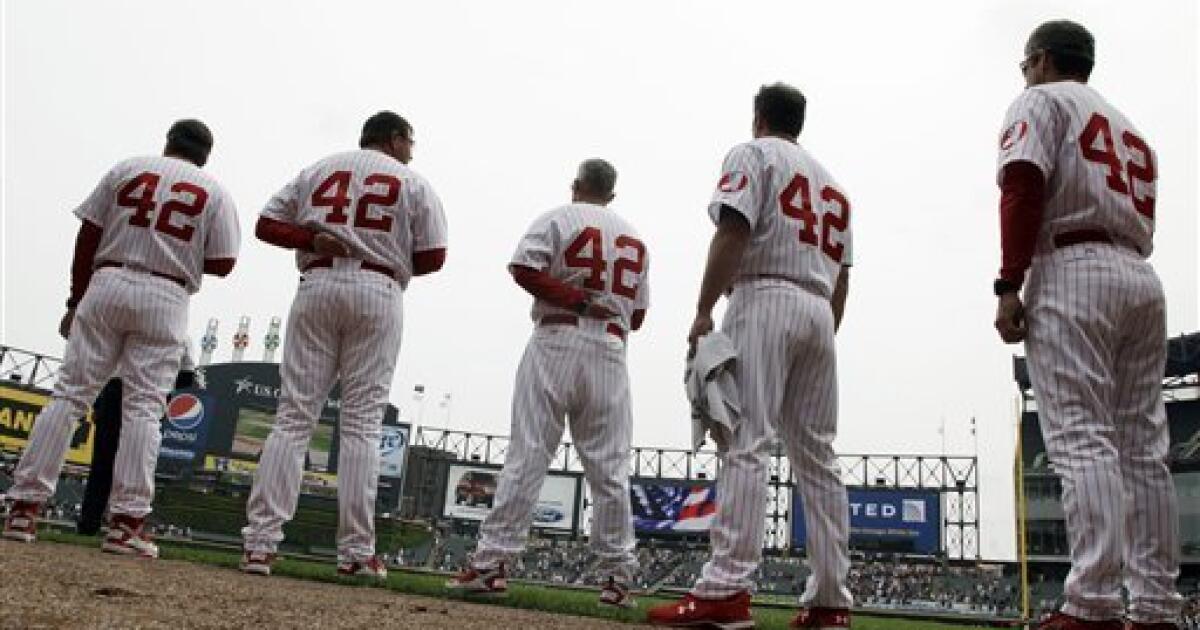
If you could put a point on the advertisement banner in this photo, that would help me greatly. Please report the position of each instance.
(393, 444)
(185, 430)
(19, 408)
(906, 521)
(471, 493)
(319, 483)
(672, 507)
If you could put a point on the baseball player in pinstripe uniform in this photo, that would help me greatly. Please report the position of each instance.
(782, 252)
(1077, 219)
(587, 270)
(151, 229)
(106, 418)
(362, 224)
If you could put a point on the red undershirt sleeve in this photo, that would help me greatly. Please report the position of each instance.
(219, 267)
(84, 262)
(428, 261)
(639, 316)
(284, 234)
(543, 286)
(1022, 187)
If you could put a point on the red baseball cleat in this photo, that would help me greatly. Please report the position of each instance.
(818, 618)
(1063, 621)
(21, 523)
(730, 613)
(126, 536)
(482, 582)
(256, 562)
(372, 568)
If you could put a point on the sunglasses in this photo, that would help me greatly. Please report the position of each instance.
(1025, 63)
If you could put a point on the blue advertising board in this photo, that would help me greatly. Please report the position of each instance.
(185, 429)
(885, 520)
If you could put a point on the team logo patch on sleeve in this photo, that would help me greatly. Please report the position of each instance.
(733, 181)
(1014, 134)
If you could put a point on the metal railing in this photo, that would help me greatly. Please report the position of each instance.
(956, 478)
(24, 368)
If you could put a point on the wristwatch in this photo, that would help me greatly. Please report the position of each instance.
(1002, 286)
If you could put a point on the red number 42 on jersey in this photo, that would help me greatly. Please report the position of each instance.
(593, 239)
(1096, 143)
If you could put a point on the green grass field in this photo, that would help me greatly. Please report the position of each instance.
(554, 600)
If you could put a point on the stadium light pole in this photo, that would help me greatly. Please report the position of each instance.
(445, 404)
(419, 397)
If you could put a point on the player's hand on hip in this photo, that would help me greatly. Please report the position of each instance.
(701, 326)
(598, 311)
(330, 245)
(64, 326)
(1010, 318)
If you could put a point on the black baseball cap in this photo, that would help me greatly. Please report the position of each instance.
(1063, 37)
(190, 131)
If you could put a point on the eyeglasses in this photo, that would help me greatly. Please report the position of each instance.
(1029, 60)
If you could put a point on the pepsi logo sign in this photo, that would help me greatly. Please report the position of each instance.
(185, 412)
(733, 181)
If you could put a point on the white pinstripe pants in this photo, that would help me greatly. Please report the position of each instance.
(787, 378)
(578, 373)
(347, 324)
(133, 325)
(1097, 348)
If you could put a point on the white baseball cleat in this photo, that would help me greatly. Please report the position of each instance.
(617, 594)
(371, 568)
(480, 581)
(126, 536)
(256, 562)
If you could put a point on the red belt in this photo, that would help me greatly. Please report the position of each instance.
(1075, 237)
(328, 262)
(573, 320)
(165, 276)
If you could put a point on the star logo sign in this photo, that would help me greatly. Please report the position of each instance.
(243, 384)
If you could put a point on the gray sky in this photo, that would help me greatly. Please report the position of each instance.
(905, 104)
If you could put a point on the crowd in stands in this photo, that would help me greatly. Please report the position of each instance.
(890, 583)
(876, 582)
(167, 530)
(1190, 589)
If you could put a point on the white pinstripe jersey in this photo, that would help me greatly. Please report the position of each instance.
(592, 248)
(799, 216)
(1100, 174)
(162, 214)
(374, 203)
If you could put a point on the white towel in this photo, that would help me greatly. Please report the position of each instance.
(712, 390)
